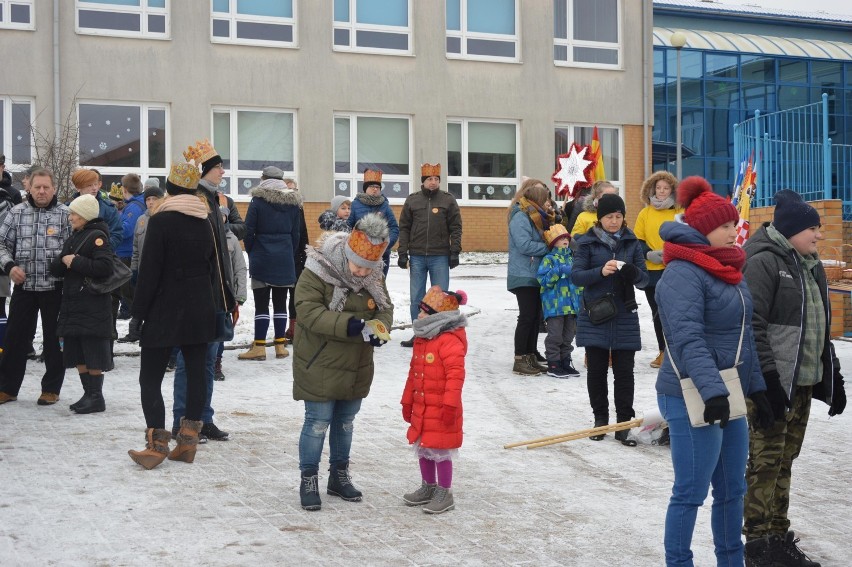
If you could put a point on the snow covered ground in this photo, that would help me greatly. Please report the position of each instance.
(70, 495)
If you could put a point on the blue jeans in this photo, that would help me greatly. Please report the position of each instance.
(701, 457)
(179, 405)
(438, 269)
(339, 414)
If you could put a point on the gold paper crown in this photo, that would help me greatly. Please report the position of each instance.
(360, 244)
(372, 176)
(439, 300)
(115, 192)
(429, 170)
(200, 152)
(555, 232)
(184, 175)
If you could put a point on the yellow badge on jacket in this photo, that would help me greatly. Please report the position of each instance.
(51, 231)
(430, 358)
(99, 241)
(371, 303)
(435, 210)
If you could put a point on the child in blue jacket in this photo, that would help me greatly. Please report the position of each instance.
(560, 301)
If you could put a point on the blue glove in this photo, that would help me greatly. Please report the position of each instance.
(376, 341)
(565, 269)
(354, 327)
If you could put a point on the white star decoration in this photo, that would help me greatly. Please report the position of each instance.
(572, 169)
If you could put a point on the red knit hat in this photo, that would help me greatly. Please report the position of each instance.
(705, 211)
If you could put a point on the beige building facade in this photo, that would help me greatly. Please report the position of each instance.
(493, 90)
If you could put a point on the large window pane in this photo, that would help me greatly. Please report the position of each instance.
(610, 149)
(560, 19)
(596, 20)
(109, 135)
(341, 10)
(223, 6)
(21, 132)
(383, 144)
(264, 138)
(382, 12)
(491, 16)
(721, 66)
(157, 138)
(758, 69)
(274, 8)
(453, 9)
(454, 149)
(825, 73)
(792, 71)
(222, 136)
(342, 147)
(491, 150)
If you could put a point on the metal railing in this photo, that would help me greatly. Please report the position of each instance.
(792, 150)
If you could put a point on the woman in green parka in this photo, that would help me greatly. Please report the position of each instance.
(341, 287)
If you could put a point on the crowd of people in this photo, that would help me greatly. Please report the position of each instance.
(747, 328)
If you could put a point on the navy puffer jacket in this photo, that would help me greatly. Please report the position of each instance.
(621, 333)
(701, 317)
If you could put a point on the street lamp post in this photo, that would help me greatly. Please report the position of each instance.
(678, 40)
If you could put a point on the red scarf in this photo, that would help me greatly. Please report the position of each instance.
(723, 262)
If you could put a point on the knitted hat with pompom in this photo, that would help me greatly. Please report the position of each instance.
(705, 211)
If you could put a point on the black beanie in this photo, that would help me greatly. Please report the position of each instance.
(793, 214)
(210, 164)
(610, 203)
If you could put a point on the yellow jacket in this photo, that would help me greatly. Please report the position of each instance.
(585, 221)
(647, 228)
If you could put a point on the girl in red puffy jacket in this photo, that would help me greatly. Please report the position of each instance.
(431, 401)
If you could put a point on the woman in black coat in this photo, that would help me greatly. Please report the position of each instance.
(85, 318)
(174, 306)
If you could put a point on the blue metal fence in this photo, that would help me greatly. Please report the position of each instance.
(792, 150)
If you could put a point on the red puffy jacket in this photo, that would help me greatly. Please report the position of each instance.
(435, 380)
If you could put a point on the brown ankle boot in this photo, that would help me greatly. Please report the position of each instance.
(156, 448)
(187, 441)
(281, 350)
(256, 352)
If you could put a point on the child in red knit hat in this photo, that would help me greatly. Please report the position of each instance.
(431, 401)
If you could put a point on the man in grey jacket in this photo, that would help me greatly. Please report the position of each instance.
(31, 236)
(792, 323)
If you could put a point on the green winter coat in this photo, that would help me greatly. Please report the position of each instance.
(327, 364)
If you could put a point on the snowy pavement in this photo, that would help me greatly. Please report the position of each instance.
(71, 496)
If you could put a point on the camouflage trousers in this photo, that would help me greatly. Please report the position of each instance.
(770, 463)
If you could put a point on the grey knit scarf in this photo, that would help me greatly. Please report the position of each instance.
(328, 261)
(662, 204)
(433, 325)
(370, 200)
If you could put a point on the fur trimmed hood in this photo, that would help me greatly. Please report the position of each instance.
(277, 196)
(650, 184)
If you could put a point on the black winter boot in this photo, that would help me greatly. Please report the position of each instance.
(309, 491)
(84, 380)
(757, 553)
(340, 483)
(93, 402)
(783, 551)
(218, 375)
(599, 422)
(624, 433)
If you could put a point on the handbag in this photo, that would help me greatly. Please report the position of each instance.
(601, 310)
(119, 276)
(224, 320)
(731, 378)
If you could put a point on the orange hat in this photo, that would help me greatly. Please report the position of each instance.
(368, 241)
(554, 234)
(437, 300)
(429, 170)
(83, 178)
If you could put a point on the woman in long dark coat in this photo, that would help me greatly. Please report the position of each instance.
(85, 318)
(174, 306)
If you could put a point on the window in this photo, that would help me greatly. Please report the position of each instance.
(610, 138)
(254, 22)
(17, 15)
(120, 138)
(148, 19)
(373, 26)
(372, 142)
(16, 136)
(482, 29)
(482, 160)
(587, 33)
(249, 140)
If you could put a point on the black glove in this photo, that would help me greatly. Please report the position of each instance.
(135, 327)
(838, 399)
(376, 341)
(775, 394)
(630, 273)
(354, 327)
(403, 261)
(454, 260)
(765, 415)
(717, 409)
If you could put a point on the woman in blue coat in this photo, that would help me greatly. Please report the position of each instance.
(608, 263)
(372, 201)
(273, 231)
(705, 306)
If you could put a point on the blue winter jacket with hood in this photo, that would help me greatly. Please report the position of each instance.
(702, 317)
(526, 249)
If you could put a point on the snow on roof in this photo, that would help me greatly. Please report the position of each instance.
(753, 9)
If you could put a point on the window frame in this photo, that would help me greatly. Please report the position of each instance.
(353, 27)
(144, 170)
(6, 13)
(464, 35)
(467, 180)
(570, 43)
(356, 178)
(618, 183)
(233, 17)
(7, 146)
(143, 10)
(233, 173)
